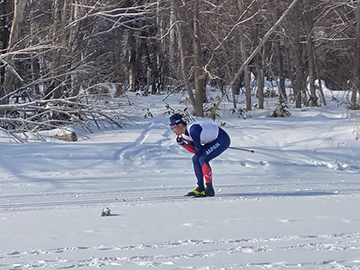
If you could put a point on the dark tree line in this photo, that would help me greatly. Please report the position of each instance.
(55, 50)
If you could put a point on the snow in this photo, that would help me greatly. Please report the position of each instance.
(292, 204)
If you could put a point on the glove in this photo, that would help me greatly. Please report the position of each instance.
(180, 141)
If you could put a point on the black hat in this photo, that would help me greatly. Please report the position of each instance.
(177, 119)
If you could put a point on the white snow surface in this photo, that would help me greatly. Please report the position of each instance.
(293, 204)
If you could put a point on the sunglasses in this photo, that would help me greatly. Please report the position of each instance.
(173, 127)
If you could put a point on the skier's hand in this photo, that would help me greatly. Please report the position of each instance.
(180, 141)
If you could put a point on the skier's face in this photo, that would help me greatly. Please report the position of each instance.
(178, 129)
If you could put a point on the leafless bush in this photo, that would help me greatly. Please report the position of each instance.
(28, 115)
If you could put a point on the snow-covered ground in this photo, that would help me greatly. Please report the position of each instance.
(292, 204)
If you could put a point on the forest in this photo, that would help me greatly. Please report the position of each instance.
(60, 59)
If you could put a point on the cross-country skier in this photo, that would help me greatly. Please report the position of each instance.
(206, 141)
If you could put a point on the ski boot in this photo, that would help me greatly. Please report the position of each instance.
(208, 192)
(200, 189)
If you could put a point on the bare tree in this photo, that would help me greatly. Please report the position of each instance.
(198, 63)
(299, 78)
(4, 39)
(356, 80)
(183, 57)
(308, 21)
(13, 78)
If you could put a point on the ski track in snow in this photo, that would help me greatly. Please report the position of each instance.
(64, 198)
(168, 254)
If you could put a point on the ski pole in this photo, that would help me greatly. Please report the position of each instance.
(242, 149)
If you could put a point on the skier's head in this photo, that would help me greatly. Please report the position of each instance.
(177, 119)
(177, 124)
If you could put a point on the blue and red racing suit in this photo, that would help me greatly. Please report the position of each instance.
(206, 141)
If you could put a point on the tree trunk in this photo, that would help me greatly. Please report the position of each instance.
(356, 79)
(199, 73)
(259, 71)
(297, 58)
(172, 39)
(246, 74)
(60, 39)
(183, 60)
(4, 40)
(34, 40)
(131, 61)
(13, 79)
(244, 56)
(280, 64)
(76, 14)
(310, 52)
